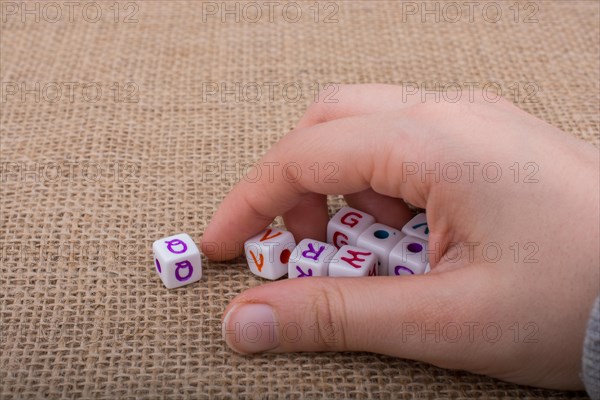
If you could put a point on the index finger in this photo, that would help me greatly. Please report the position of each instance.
(361, 150)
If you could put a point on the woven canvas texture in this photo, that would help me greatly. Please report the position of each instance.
(118, 131)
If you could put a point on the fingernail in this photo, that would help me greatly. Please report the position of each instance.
(250, 328)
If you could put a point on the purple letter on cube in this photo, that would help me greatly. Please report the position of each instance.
(184, 264)
(176, 242)
(311, 249)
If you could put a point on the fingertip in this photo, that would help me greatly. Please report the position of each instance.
(250, 328)
(216, 250)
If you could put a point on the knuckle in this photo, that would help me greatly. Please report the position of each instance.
(323, 107)
(466, 107)
(329, 316)
(458, 108)
(254, 202)
(318, 111)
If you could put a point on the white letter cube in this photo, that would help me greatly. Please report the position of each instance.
(177, 260)
(408, 257)
(380, 239)
(268, 253)
(417, 227)
(310, 258)
(346, 225)
(353, 261)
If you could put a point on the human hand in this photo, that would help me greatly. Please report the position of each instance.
(521, 314)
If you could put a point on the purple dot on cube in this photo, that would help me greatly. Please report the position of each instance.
(414, 247)
(381, 234)
(157, 265)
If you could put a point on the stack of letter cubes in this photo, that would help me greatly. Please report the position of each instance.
(357, 246)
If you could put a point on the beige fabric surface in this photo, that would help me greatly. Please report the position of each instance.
(90, 180)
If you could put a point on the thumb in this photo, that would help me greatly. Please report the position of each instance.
(376, 314)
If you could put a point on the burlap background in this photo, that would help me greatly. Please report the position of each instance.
(89, 180)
